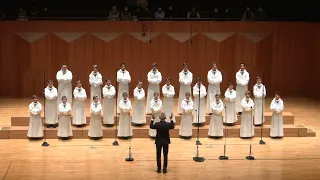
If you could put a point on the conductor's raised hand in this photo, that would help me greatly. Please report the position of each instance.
(171, 116)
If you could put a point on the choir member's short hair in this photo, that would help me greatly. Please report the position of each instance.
(279, 93)
(95, 66)
(139, 82)
(95, 97)
(185, 64)
(50, 81)
(258, 77)
(247, 92)
(78, 82)
(187, 93)
(230, 84)
(122, 64)
(107, 79)
(217, 95)
(243, 63)
(64, 64)
(168, 79)
(199, 79)
(155, 64)
(155, 93)
(64, 97)
(214, 63)
(34, 97)
(124, 94)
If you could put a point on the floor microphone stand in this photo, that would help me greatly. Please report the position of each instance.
(45, 143)
(130, 153)
(250, 157)
(224, 157)
(115, 142)
(198, 121)
(262, 118)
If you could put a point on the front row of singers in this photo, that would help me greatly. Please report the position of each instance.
(187, 119)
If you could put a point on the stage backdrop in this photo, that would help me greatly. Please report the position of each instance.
(287, 51)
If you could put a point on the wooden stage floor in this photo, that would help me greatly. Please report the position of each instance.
(290, 158)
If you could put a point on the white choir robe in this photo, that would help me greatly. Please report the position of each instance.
(154, 79)
(168, 102)
(139, 114)
(51, 113)
(230, 103)
(276, 120)
(202, 113)
(95, 80)
(247, 128)
(124, 128)
(123, 78)
(185, 79)
(216, 124)
(156, 108)
(214, 80)
(65, 128)
(35, 124)
(95, 129)
(64, 86)
(186, 118)
(79, 106)
(242, 86)
(108, 104)
(259, 92)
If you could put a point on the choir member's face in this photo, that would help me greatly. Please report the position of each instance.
(156, 96)
(185, 68)
(230, 87)
(199, 83)
(64, 68)
(95, 70)
(154, 67)
(35, 99)
(64, 100)
(108, 82)
(125, 96)
(217, 98)
(95, 100)
(140, 85)
(168, 82)
(247, 95)
(123, 67)
(277, 96)
(242, 67)
(50, 84)
(79, 85)
(259, 81)
(214, 67)
(188, 96)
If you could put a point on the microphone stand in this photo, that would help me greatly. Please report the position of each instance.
(262, 120)
(130, 153)
(45, 143)
(198, 116)
(197, 158)
(224, 157)
(115, 142)
(250, 157)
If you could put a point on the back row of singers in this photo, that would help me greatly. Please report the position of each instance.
(214, 77)
(187, 106)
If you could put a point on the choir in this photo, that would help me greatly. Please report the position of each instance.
(192, 110)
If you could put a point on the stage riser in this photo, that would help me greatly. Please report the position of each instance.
(288, 118)
(82, 133)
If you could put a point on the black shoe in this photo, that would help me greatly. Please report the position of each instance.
(159, 171)
(164, 171)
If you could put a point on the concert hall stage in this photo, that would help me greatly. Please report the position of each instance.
(292, 157)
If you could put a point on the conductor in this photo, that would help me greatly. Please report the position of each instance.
(162, 139)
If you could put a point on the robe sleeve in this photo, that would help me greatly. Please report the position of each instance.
(127, 77)
(218, 80)
(217, 109)
(233, 96)
(59, 77)
(203, 92)
(75, 94)
(171, 92)
(210, 77)
(165, 91)
(99, 81)
(181, 79)
(189, 79)
(82, 96)
(95, 110)
(246, 80)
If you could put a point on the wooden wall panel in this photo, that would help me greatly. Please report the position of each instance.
(286, 53)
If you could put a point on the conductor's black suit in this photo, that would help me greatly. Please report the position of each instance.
(162, 141)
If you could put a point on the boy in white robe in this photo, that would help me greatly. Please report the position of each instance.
(124, 128)
(156, 109)
(95, 129)
(259, 92)
(95, 80)
(35, 130)
(123, 78)
(216, 121)
(168, 101)
(154, 79)
(51, 113)
(139, 114)
(230, 116)
(109, 92)
(185, 79)
(277, 107)
(242, 78)
(186, 118)
(214, 79)
(64, 78)
(65, 128)
(79, 106)
(247, 128)
(199, 88)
